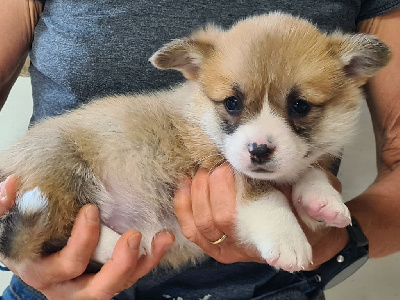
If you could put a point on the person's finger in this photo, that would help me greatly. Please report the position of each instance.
(72, 260)
(183, 210)
(223, 199)
(125, 267)
(161, 244)
(228, 251)
(184, 214)
(111, 278)
(119, 273)
(8, 193)
(201, 207)
(222, 205)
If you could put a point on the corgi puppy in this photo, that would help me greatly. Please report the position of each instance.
(272, 96)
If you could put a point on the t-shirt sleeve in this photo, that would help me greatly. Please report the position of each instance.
(374, 8)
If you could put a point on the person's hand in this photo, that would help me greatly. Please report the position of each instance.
(17, 22)
(206, 210)
(61, 275)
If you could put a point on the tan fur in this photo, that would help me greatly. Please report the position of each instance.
(127, 154)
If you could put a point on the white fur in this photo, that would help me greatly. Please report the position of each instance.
(107, 241)
(270, 225)
(32, 202)
(123, 207)
(314, 190)
(268, 128)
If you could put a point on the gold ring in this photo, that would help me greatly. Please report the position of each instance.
(220, 240)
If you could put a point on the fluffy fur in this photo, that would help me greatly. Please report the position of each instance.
(240, 104)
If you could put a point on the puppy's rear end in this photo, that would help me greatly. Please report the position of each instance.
(47, 201)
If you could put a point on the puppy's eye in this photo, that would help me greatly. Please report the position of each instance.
(299, 107)
(233, 105)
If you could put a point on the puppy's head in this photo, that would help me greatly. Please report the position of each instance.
(273, 92)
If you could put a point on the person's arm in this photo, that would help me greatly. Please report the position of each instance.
(17, 22)
(378, 208)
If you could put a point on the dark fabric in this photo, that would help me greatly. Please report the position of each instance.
(86, 49)
(370, 9)
(19, 290)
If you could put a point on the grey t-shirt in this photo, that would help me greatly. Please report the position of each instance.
(85, 49)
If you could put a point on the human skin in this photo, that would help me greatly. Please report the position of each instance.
(18, 21)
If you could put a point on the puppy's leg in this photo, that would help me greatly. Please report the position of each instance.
(318, 203)
(270, 225)
(23, 226)
(107, 241)
(46, 206)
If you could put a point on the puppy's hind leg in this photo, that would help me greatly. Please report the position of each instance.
(23, 226)
(46, 206)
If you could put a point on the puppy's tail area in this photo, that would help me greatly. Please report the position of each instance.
(24, 229)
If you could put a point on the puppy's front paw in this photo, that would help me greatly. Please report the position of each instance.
(317, 204)
(289, 251)
(270, 225)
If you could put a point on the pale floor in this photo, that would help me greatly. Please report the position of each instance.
(377, 280)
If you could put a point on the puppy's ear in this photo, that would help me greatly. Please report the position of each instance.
(188, 54)
(362, 55)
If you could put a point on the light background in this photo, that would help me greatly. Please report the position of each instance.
(378, 279)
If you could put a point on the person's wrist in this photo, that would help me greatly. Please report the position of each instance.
(344, 263)
(334, 241)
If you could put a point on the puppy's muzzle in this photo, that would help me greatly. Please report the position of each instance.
(260, 154)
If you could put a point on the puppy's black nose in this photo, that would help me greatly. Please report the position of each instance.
(260, 153)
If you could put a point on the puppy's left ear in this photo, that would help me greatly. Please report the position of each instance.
(188, 54)
(362, 55)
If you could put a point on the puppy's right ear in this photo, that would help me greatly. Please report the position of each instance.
(362, 55)
(188, 54)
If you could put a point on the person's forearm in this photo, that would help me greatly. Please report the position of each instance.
(384, 91)
(18, 19)
(378, 208)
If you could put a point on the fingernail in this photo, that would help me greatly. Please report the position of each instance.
(134, 241)
(92, 213)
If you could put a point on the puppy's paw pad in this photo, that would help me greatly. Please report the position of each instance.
(291, 255)
(322, 205)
